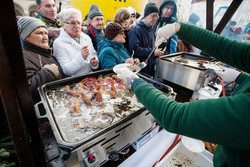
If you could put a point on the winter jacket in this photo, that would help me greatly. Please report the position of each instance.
(141, 40)
(68, 53)
(91, 33)
(171, 44)
(49, 23)
(35, 59)
(224, 121)
(111, 53)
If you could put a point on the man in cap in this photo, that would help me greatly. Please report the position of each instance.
(48, 15)
(168, 10)
(142, 38)
(95, 30)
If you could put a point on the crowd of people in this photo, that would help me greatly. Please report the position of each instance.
(55, 46)
(79, 48)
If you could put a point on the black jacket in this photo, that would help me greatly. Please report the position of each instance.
(35, 59)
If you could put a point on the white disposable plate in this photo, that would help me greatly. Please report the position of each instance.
(119, 67)
(194, 145)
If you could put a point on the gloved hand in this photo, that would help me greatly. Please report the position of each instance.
(53, 68)
(127, 76)
(164, 33)
(227, 74)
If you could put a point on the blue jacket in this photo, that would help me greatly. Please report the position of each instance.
(141, 40)
(111, 53)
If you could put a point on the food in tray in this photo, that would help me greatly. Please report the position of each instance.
(190, 61)
(181, 160)
(76, 106)
(131, 67)
(181, 60)
(85, 99)
(69, 92)
(86, 107)
(201, 62)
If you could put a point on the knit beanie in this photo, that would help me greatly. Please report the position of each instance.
(26, 25)
(112, 30)
(150, 8)
(94, 11)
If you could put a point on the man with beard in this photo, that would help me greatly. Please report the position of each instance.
(167, 13)
(95, 30)
(48, 15)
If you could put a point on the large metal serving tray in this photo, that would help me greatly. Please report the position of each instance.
(44, 110)
(187, 75)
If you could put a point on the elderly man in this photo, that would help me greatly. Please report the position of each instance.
(168, 10)
(142, 38)
(48, 15)
(95, 30)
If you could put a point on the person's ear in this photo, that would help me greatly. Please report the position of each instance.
(90, 21)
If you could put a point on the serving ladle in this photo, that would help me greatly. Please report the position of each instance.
(141, 65)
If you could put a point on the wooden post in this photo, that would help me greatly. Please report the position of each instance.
(210, 15)
(227, 16)
(14, 91)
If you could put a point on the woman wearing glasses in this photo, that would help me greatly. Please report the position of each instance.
(73, 49)
(112, 50)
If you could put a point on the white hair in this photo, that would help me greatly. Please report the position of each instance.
(66, 13)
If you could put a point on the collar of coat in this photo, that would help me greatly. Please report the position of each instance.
(92, 30)
(66, 38)
(52, 23)
(36, 49)
(142, 23)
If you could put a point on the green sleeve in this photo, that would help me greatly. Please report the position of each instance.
(232, 52)
(224, 121)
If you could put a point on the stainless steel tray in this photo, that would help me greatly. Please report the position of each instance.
(44, 109)
(188, 75)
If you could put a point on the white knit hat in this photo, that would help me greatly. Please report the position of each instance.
(26, 25)
(131, 10)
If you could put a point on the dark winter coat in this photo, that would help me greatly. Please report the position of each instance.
(90, 32)
(35, 59)
(141, 40)
(111, 53)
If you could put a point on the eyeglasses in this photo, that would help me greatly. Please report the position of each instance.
(122, 33)
(154, 16)
(73, 23)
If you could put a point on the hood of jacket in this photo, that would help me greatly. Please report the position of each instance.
(164, 4)
(108, 43)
